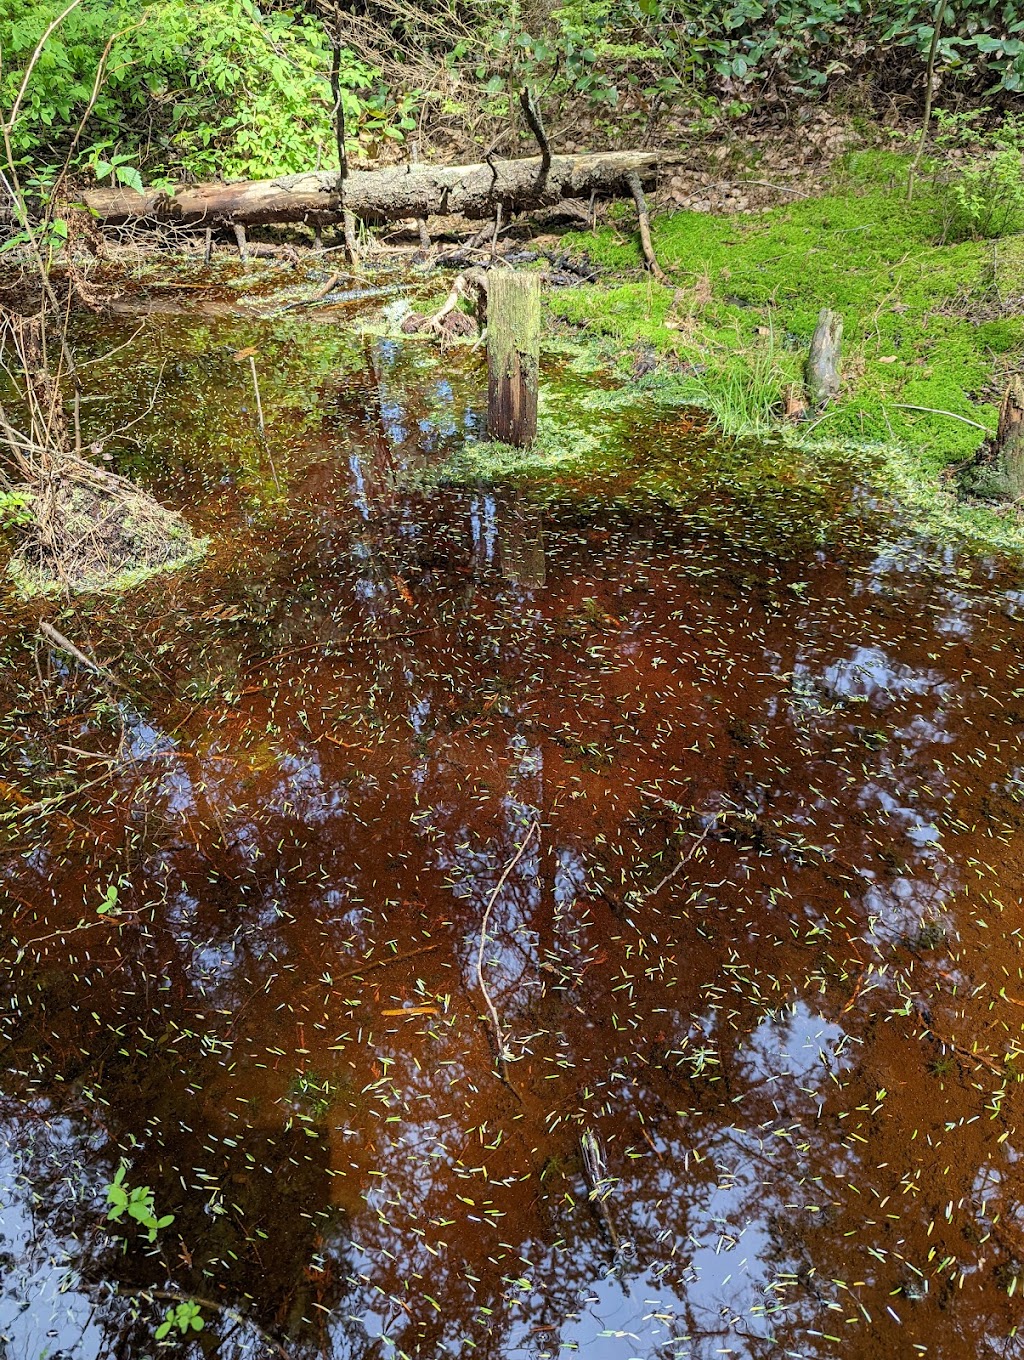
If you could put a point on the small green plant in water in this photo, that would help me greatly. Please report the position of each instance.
(14, 509)
(138, 1204)
(108, 906)
(316, 1093)
(185, 1316)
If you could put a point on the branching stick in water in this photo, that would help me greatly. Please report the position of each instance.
(499, 1036)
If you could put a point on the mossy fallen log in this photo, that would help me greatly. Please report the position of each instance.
(394, 193)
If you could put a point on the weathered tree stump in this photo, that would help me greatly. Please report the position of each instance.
(1010, 438)
(513, 356)
(821, 371)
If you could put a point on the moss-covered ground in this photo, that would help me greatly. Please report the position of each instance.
(927, 324)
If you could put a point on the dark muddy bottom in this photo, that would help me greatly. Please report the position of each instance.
(723, 812)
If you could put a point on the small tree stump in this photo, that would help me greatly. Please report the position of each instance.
(513, 356)
(1010, 438)
(821, 371)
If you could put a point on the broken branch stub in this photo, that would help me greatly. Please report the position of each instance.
(822, 369)
(513, 356)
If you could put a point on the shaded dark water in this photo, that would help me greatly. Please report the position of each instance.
(743, 797)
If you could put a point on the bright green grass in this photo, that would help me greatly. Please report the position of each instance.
(862, 250)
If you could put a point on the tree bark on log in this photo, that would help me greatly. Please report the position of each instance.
(1010, 438)
(402, 191)
(821, 372)
(513, 356)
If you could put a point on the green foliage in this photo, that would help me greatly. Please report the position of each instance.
(240, 88)
(679, 52)
(803, 44)
(746, 397)
(185, 1316)
(15, 509)
(138, 1204)
(108, 905)
(217, 88)
(986, 198)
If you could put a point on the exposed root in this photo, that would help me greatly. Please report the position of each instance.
(449, 320)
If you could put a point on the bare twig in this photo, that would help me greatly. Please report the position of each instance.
(536, 123)
(320, 293)
(262, 426)
(932, 411)
(65, 645)
(385, 962)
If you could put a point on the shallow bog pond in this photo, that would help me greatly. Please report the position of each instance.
(578, 913)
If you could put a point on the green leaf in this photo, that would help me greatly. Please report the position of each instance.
(127, 174)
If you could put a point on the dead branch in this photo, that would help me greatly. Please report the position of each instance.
(644, 221)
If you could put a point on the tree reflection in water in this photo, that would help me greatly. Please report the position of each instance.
(764, 946)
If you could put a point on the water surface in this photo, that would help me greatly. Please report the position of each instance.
(718, 793)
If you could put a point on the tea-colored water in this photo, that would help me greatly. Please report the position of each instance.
(725, 818)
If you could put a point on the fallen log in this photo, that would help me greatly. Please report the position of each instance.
(397, 192)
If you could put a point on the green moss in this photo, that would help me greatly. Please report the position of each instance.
(1002, 336)
(920, 329)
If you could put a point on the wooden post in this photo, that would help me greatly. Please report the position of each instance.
(513, 356)
(1010, 438)
(821, 372)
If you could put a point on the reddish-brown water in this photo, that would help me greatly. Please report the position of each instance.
(723, 810)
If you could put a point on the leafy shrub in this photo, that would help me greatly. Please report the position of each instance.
(216, 88)
(985, 199)
(628, 59)
(801, 45)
